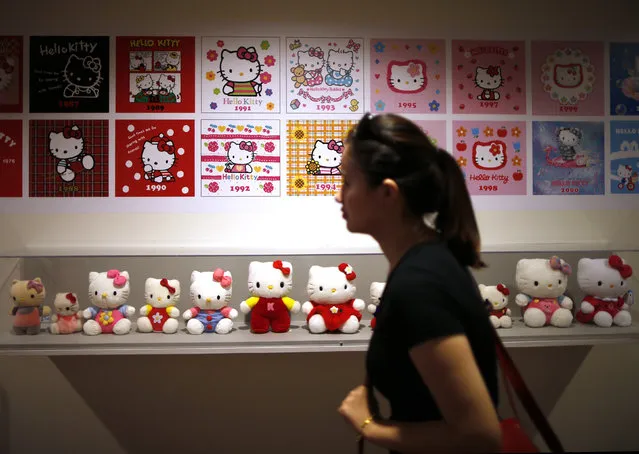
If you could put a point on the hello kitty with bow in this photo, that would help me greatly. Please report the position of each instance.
(240, 155)
(68, 317)
(159, 313)
(326, 158)
(158, 157)
(496, 299)
(108, 295)
(210, 295)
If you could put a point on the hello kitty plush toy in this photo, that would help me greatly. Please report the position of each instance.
(542, 283)
(608, 298)
(376, 291)
(496, 298)
(332, 306)
(269, 284)
(159, 313)
(28, 305)
(108, 296)
(68, 318)
(210, 294)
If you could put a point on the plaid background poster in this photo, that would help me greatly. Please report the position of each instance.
(68, 158)
(11, 158)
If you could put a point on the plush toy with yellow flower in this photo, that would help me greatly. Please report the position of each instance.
(108, 297)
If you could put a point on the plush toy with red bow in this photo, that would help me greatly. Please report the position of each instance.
(159, 313)
(269, 284)
(108, 295)
(496, 298)
(211, 294)
(608, 296)
(376, 290)
(332, 306)
(67, 318)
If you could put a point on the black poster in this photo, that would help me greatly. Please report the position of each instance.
(69, 74)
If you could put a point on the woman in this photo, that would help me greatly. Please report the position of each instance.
(432, 353)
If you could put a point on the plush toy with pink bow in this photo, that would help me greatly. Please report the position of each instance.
(608, 296)
(210, 295)
(108, 295)
(496, 298)
(28, 305)
(67, 318)
(159, 314)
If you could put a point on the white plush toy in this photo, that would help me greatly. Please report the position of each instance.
(210, 295)
(108, 296)
(159, 313)
(376, 290)
(67, 318)
(542, 283)
(608, 298)
(332, 306)
(496, 297)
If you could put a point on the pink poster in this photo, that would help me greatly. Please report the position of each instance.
(489, 77)
(408, 76)
(492, 156)
(435, 130)
(567, 78)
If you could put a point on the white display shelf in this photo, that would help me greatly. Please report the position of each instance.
(297, 340)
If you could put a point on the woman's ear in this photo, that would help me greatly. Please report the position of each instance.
(389, 188)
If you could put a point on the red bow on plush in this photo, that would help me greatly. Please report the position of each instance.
(503, 289)
(165, 283)
(71, 298)
(492, 71)
(163, 144)
(72, 131)
(245, 54)
(348, 271)
(617, 263)
(118, 279)
(278, 265)
(218, 276)
(332, 145)
(37, 286)
(316, 52)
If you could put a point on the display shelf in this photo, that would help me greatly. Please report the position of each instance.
(298, 339)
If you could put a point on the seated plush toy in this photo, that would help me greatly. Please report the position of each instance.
(608, 298)
(496, 298)
(269, 283)
(68, 318)
(376, 290)
(159, 313)
(108, 295)
(542, 284)
(28, 305)
(210, 295)
(332, 306)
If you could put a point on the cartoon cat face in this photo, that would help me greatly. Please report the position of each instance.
(166, 81)
(173, 58)
(311, 59)
(242, 65)
(489, 155)
(597, 278)
(109, 289)
(28, 293)
(136, 60)
(66, 303)
(338, 60)
(328, 154)
(7, 67)
(488, 78)
(144, 82)
(536, 278)
(624, 171)
(569, 136)
(210, 290)
(270, 279)
(82, 72)
(407, 76)
(66, 147)
(376, 290)
(568, 76)
(327, 285)
(158, 153)
(241, 152)
(162, 292)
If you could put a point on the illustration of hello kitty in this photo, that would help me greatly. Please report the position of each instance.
(339, 65)
(210, 295)
(240, 69)
(108, 296)
(313, 61)
(159, 313)
(407, 76)
(240, 155)
(67, 147)
(136, 62)
(166, 84)
(7, 66)
(82, 76)
(145, 84)
(569, 139)
(67, 318)
(489, 155)
(172, 61)
(568, 76)
(489, 80)
(158, 157)
(328, 155)
(626, 177)
(376, 290)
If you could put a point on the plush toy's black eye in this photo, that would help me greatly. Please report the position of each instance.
(257, 284)
(14, 298)
(199, 297)
(32, 296)
(114, 293)
(168, 297)
(536, 283)
(282, 284)
(218, 297)
(599, 283)
(96, 293)
(321, 289)
(559, 281)
(621, 283)
(345, 286)
(151, 295)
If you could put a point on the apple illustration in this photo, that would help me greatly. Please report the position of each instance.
(517, 176)
(502, 132)
(461, 146)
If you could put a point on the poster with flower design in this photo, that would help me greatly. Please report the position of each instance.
(240, 158)
(11, 74)
(154, 158)
(568, 158)
(408, 76)
(624, 78)
(240, 75)
(435, 130)
(489, 77)
(68, 158)
(155, 74)
(567, 78)
(11, 158)
(315, 150)
(492, 156)
(624, 157)
(325, 75)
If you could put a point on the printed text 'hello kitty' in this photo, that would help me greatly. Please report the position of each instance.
(152, 42)
(78, 46)
(6, 139)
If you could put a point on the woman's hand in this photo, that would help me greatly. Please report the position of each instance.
(354, 408)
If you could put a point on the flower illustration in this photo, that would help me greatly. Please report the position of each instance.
(299, 135)
(516, 132)
(213, 187)
(210, 75)
(213, 105)
(299, 183)
(211, 55)
(269, 147)
(312, 167)
(461, 131)
(434, 106)
(475, 132)
(269, 92)
(379, 47)
(213, 146)
(220, 43)
(462, 161)
(380, 105)
(216, 91)
(269, 60)
(270, 106)
(265, 45)
(268, 187)
(265, 77)
(516, 161)
(488, 131)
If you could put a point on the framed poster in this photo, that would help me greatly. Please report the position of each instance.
(11, 158)
(11, 74)
(624, 157)
(624, 78)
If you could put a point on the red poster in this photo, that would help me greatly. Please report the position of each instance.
(10, 158)
(155, 74)
(154, 158)
(11, 74)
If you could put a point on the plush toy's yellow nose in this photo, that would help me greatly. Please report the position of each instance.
(159, 298)
(208, 300)
(333, 290)
(270, 287)
(549, 285)
(241, 74)
(496, 303)
(612, 285)
(104, 294)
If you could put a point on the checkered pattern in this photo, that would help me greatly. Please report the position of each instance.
(301, 137)
(44, 180)
(11, 46)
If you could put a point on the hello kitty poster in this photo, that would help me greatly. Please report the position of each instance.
(567, 78)
(314, 158)
(11, 158)
(240, 158)
(68, 158)
(568, 158)
(240, 75)
(155, 74)
(624, 157)
(624, 78)
(325, 75)
(489, 77)
(407, 76)
(435, 130)
(11, 74)
(69, 74)
(154, 158)
(492, 156)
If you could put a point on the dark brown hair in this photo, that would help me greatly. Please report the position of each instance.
(391, 146)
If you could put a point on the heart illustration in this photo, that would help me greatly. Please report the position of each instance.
(222, 128)
(377, 76)
(219, 168)
(257, 168)
(240, 128)
(258, 128)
